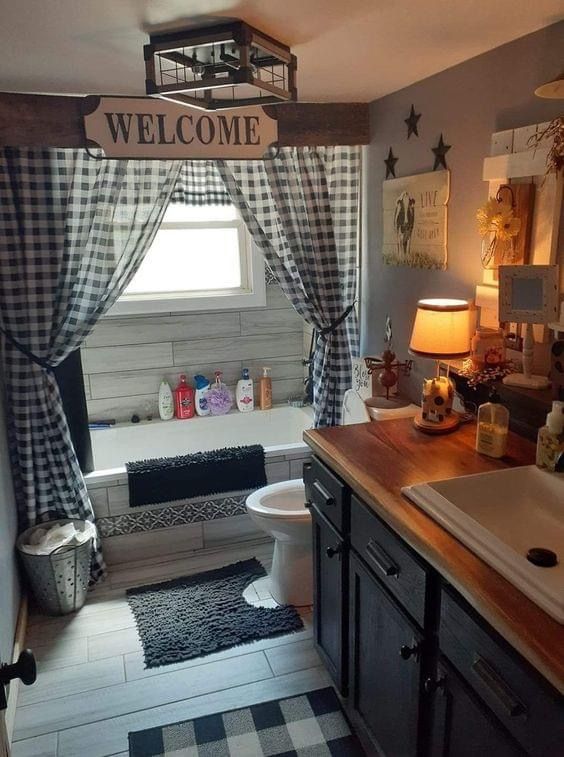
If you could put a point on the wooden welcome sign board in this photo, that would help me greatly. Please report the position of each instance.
(60, 121)
(132, 127)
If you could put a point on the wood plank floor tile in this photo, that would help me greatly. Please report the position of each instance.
(34, 720)
(79, 624)
(287, 658)
(75, 679)
(40, 746)
(110, 736)
(112, 644)
(59, 653)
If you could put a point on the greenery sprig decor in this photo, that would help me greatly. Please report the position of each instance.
(555, 132)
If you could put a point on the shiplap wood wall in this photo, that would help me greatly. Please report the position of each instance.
(125, 359)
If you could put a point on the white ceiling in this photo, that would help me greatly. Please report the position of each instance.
(347, 49)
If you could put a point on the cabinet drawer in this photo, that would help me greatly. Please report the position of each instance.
(391, 560)
(328, 493)
(530, 709)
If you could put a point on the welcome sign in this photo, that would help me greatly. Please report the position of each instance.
(146, 127)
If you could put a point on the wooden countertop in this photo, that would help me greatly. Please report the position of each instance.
(378, 459)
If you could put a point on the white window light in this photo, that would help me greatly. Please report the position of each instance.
(202, 258)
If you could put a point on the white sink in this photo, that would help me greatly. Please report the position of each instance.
(502, 515)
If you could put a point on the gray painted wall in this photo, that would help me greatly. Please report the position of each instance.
(466, 103)
(9, 588)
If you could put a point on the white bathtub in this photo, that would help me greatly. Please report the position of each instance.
(279, 430)
(187, 526)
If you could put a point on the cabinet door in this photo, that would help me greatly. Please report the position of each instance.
(462, 726)
(329, 597)
(384, 665)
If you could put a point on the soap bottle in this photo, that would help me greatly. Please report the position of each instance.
(200, 398)
(493, 426)
(550, 440)
(184, 399)
(166, 401)
(244, 393)
(265, 389)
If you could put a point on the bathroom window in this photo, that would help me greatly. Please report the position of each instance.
(202, 258)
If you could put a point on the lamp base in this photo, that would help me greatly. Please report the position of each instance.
(449, 423)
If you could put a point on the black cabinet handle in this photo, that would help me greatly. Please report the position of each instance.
(433, 684)
(381, 559)
(498, 688)
(406, 651)
(332, 551)
(328, 499)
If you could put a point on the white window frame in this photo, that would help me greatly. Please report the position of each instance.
(251, 293)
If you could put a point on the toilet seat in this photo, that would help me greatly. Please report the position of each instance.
(279, 501)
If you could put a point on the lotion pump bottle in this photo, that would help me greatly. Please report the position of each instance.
(550, 440)
(166, 401)
(244, 393)
(493, 426)
(265, 390)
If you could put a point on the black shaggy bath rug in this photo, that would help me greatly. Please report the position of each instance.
(166, 479)
(196, 615)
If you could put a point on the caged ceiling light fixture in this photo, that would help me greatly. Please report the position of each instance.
(227, 65)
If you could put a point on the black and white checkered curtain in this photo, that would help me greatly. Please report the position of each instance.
(301, 207)
(73, 231)
(199, 183)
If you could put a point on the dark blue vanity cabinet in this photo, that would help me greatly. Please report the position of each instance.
(420, 672)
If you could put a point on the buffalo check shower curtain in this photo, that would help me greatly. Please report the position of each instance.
(301, 207)
(73, 231)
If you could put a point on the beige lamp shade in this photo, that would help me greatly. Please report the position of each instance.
(441, 329)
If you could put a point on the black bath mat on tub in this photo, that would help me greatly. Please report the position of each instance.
(307, 725)
(166, 479)
(196, 615)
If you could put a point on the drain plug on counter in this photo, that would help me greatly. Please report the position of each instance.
(544, 558)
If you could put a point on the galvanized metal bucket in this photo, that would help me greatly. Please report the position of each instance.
(59, 581)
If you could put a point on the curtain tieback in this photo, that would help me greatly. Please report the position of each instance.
(337, 322)
(34, 359)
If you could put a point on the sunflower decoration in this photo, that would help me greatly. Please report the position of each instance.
(498, 227)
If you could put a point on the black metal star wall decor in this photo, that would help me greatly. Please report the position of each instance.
(411, 122)
(390, 162)
(440, 154)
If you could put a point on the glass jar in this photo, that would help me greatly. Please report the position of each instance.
(488, 348)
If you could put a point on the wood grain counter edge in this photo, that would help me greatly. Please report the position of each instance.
(528, 629)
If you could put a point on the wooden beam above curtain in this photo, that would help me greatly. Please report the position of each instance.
(57, 121)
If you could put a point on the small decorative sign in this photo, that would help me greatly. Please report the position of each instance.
(415, 220)
(362, 380)
(146, 127)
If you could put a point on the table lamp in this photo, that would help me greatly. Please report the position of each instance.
(441, 331)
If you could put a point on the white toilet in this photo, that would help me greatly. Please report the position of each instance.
(279, 510)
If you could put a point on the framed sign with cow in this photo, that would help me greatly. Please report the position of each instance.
(415, 220)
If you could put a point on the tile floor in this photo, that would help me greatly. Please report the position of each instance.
(92, 687)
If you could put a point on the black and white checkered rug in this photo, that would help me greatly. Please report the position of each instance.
(308, 725)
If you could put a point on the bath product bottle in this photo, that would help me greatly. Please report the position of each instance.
(550, 440)
(166, 401)
(184, 399)
(244, 393)
(265, 390)
(201, 400)
(493, 425)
